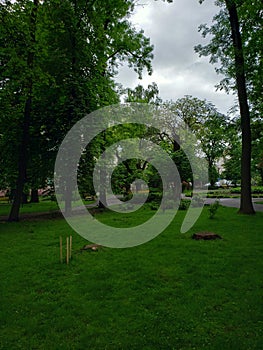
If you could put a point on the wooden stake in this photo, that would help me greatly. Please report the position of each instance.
(67, 251)
(70, 247)
(61, 250)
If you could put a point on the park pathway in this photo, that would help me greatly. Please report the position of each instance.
(235, 202)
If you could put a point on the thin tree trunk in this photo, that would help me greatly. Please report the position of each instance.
(24, 146)
(34, 196)
(103, 178)
(246, 206)
(68, 198)
(102, 195)
(72, 114)
(261, 175)
(22, 164)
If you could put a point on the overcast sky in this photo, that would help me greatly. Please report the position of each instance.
(177, 69)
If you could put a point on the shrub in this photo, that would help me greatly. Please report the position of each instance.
(127, 197)
(197, 201)
(154, 205)
(154, 197)
(235, 190)
(257, 190)
(254, 190)
(213, 209)
(184, 204)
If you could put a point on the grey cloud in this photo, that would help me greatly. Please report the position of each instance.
(173, 29)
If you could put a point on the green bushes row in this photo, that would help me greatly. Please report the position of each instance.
(254, 190)
(184, 204)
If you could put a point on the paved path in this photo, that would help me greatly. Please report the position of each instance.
(235, 202)
(227, 202)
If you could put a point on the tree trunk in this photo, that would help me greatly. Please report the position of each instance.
(72, 110)
(246, 206)
(261, 176)
(24, 146)
(102, 188)
(103, 176)
(22, 164)
(68, 199)
(211, 173)
(138, 186)
(34, 196)
(24, 198)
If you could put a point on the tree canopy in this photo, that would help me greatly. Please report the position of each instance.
(58, 60)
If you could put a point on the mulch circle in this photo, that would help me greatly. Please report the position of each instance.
(206, 236)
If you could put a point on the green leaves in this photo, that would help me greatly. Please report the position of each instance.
(221, 50)
(77, 47)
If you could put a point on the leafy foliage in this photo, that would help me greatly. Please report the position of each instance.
(77, 48)
(213, 209)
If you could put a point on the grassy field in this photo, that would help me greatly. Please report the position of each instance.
(43, 206)
(170, 293)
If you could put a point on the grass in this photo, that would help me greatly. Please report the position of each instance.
(42, 206)
(170, 293)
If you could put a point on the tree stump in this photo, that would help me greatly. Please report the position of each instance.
(206, 236)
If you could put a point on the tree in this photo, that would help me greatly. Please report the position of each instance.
(27, 61)
(227, 26)
(142, 95)
(257, 150)
(60, 66)
(203, 120)
(232, 155)
(246, 205)
(213, 142)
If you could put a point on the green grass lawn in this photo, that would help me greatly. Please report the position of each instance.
(42, 206)
(170, 293)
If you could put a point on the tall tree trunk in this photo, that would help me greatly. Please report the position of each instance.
(68, 198)
(261, 176)
(103, 177)
(22, 162)
(24, 146)
(34, 196)
(246, 205)
(72, 114)
(102, 195)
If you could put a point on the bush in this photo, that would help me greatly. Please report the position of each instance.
(154, 205)
(236, 190)
(213, 209)
(197, 201)
(126, 197)
(184, 204)
(254, 190)
(154, 197)
(257, 190)
(210, 187)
